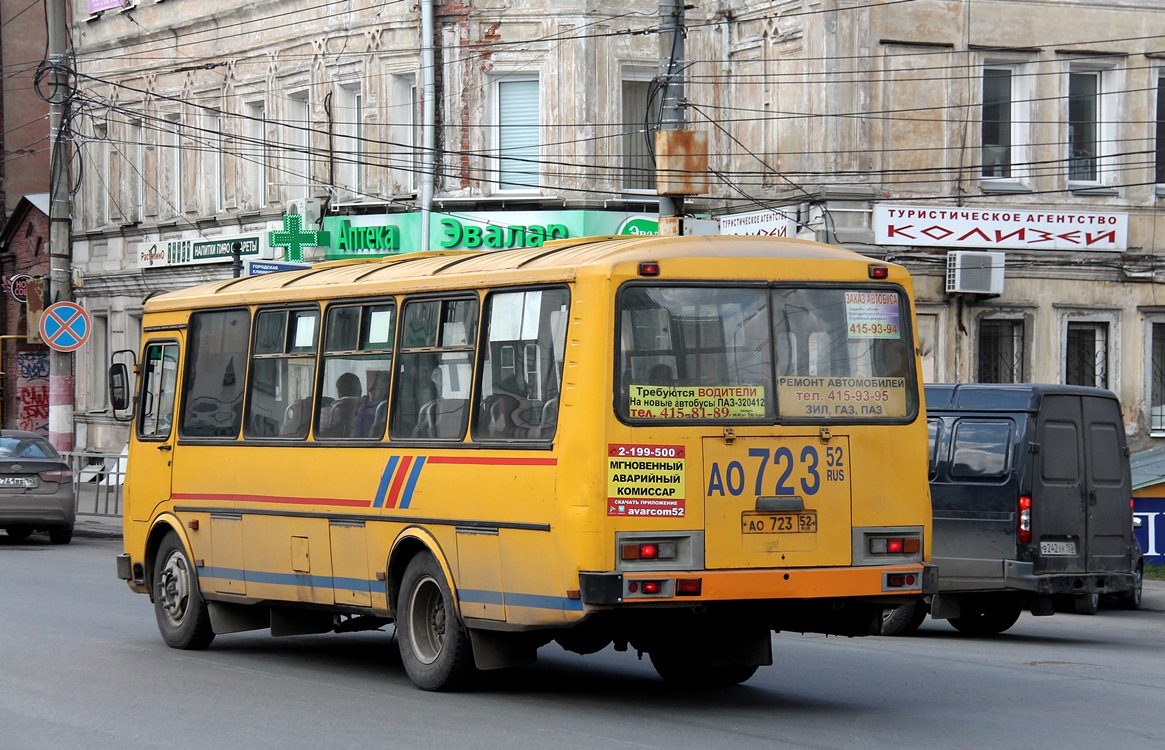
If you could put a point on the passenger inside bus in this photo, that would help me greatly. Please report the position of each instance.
(336, 419)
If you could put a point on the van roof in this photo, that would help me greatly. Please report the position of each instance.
(1000, 396)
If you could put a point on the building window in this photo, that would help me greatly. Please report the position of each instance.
(997, 120)
(214, 158)
(137, 174)
(1157, 380)
(1161, 130)
(1086, 354)
(518, 136)
(640, 123)
(255, 152)
(98, 354)
(102, 160)
(1001, 352)
(173, 150)
(349, 117)
(1084, 126)
(297, 177)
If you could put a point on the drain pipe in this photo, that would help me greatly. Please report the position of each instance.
(428, 126)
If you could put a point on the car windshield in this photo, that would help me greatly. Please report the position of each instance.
(25, 447)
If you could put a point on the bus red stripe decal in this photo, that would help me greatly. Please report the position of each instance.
(492, 461)
(228, 497)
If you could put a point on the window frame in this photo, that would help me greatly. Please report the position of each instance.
(498, 137)
(1024, 346)
(1019, 127)
(1104, 123)
(1110, 322)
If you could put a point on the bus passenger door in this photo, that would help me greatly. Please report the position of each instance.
(154, 430)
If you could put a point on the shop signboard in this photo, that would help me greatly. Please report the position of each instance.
(199, 250)
(390, 234)
(986, 228)
(769, 223)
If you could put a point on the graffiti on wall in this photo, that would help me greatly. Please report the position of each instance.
(32, 392)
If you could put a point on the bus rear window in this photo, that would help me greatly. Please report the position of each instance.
(764, 354)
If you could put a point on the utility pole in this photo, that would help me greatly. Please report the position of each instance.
(681, 155)
(60, 244)
(671, 92)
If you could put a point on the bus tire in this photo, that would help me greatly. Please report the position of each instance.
(183, 618)
(434, 645)
(691, 672)
(990, 617)
(903, 619)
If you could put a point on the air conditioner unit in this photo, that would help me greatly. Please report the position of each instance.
(972, 272)
(308, 208)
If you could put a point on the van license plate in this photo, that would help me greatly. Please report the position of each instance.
(753, 522)
(1057, 548)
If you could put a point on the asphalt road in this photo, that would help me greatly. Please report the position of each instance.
(82, 666)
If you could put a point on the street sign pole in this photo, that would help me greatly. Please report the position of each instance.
(60, 248)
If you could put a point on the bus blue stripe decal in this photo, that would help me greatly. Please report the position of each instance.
(385, 480)
(475, 596)
(414, 475)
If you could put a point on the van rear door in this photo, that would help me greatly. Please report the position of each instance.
(1080, 486)
(1108, 487)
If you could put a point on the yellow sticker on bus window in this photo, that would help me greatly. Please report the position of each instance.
(832, 397)
(646, 480)
(699, 402)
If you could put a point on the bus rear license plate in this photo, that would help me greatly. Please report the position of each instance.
(1057, 548)
(752, 522)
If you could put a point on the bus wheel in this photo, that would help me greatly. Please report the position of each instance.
(434, 645)
(690, 671)
(181, 612)
(986, 618)
(903, 619)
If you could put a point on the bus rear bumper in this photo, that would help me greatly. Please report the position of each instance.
(607, 589)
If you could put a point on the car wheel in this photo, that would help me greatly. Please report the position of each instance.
(690, 671)
(1132, 599)
(183, 618)
(1086, 604)
(19, 532)
(434, 645)
(61, 534)
(903, 619)
(986, 618)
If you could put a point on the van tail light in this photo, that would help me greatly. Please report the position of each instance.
(1025, 520)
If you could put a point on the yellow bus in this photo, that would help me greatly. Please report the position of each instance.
(677, 445)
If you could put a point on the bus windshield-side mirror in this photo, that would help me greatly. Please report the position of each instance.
(119, 386)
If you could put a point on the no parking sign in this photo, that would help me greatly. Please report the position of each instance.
(65, 326)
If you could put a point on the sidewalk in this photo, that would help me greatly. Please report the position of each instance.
(97, 526)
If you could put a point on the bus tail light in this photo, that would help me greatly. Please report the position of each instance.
(895, 545)
(649, 550)
(649, 268)
(688, 586)
(879, 272)
(902, 581)
(1024, 521)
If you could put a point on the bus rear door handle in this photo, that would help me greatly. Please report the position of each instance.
(165, 447)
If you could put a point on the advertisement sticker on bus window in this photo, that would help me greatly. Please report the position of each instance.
(841, 397)
(872, 315)
(646, 480)
(702, 402)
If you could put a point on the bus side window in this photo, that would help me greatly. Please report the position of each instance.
(435, 366)
(212, 394)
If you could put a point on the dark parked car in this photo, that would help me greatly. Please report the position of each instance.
(36, 488)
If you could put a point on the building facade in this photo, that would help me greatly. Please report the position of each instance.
(1009, 153)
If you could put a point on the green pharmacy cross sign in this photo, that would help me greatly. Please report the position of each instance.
(294, 239)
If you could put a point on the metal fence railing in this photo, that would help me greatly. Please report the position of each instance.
(97, 479)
